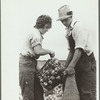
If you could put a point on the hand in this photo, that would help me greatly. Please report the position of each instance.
(52, 54)
(70, 70)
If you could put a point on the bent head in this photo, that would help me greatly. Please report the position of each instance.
(65, 15)
(67, 21)
(43, 23)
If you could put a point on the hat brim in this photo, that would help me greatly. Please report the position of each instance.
(64, 17)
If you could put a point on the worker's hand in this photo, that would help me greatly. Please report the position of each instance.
(52, 54)
(69, 70)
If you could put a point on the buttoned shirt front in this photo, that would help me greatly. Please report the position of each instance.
(81, 37)
(31, 40)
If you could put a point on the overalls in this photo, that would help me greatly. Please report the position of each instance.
(85, 73)
(30, 86)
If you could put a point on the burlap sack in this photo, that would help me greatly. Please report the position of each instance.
(70, 90)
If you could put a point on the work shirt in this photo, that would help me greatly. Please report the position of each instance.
(31, 40)
(81, 37)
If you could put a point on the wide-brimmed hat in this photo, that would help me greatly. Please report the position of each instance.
(64, 12)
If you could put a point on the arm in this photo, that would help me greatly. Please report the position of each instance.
(39, 51)
(69, 58)
(76, 56)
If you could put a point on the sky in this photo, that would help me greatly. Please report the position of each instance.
(18, 18)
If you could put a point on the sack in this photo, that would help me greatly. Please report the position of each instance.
(70, 91)
(51, 74)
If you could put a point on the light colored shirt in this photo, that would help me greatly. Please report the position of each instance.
(31, 40)
(81, 37)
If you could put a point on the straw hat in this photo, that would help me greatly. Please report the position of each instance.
(64, 12)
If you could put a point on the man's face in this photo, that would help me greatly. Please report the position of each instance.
(45, 29)
(67, 21)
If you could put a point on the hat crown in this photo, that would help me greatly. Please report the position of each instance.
(63, 10)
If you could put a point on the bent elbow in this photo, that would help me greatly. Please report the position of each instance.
(37, 53)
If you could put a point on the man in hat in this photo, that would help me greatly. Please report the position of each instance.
(80, 60)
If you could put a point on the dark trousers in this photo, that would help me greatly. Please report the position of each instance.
(86, 84)
(86, 77)
(30, 86)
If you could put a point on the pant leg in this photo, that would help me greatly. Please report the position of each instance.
(26, 77)
(86, 77)
(38, 90)
(86, 84)
(27, 85)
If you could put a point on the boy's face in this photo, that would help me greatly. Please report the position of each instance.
(67, 21)
(45, 29)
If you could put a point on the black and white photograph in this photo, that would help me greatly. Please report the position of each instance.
(49, 50)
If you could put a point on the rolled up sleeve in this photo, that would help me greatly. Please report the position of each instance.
(81, 38)
(35, 41)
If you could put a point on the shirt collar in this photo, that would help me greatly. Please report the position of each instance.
(70, 28)
(41, 35)
(72, 24)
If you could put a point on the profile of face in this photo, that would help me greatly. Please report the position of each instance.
(45, 29)
(67, 22)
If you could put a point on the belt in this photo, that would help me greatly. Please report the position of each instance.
(27, 56)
